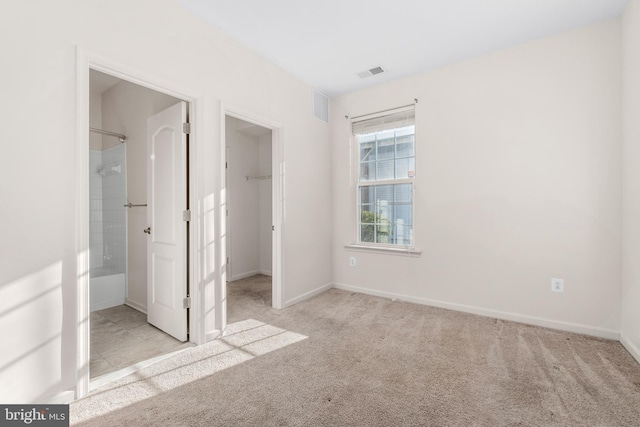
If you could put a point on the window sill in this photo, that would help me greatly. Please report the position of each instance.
(403, 251)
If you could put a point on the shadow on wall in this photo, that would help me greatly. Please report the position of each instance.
(31, 313)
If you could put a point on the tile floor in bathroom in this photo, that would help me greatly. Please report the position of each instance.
(121, 337)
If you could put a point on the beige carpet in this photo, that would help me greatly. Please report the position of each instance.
(248, 297)
(351, 359)
(121, 337)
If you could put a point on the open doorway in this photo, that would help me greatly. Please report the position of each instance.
(249, 243)
(138, 236)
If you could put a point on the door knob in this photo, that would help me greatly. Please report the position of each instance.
(147, 230)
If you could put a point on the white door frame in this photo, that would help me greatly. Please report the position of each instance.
(228, 266)
(84, 62)
(277, 195)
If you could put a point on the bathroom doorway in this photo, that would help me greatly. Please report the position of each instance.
(138, 247)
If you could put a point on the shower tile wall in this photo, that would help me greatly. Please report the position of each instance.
(108, 227)
(95, 209)
(114, 216)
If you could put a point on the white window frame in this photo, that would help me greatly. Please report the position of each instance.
(380, 119)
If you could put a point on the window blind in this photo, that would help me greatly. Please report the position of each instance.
(386, 120)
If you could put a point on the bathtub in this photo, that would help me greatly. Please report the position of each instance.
(107, 288)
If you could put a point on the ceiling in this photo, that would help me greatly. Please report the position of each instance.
(247, 128)
(100, 82)
(327, 43)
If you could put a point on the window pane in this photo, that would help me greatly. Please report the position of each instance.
(403, 215)
(386, 134)
(403, 235)
(386, 218)
(405, 147)
(405, 168)
(385, 169)
(367, 213)
(384, 236)
(384, 213)
(384, 208)
(378, 149)
(367, 233)
(367, 151)
(367, 195)
(407, 130)
(384, 224)
(384, 194)
(368, 171)
(366, 137)
(403, 193)
(386, 149)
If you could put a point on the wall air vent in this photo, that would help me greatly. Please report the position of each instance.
(320, 106)
(371, 72)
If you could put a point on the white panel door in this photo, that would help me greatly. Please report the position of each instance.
(167, 240)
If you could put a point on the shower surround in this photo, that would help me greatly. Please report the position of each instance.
(108, 228)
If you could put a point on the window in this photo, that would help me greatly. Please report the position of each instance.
(386, 169)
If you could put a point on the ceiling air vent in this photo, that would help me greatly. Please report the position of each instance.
(320, 106)
(371, 72)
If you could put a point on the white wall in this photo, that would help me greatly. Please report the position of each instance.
(517, 181)
(95, 118)
(630, 335)
(125, 109)
(249, 220)
(161, 41)
(243, 198)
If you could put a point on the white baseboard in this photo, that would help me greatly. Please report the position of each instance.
(243, 275)
(630, 346)
(266, 273)
(514, 317)
(212, 335)
(308, 295)
(141, 308)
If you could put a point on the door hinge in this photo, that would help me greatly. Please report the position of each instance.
(186, 215)
(227, 260)
(186, 303)
(186, 128)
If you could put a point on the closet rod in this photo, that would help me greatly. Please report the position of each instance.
(120, 136)
(249, 178)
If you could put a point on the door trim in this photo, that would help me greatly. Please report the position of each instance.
(277, 195)
(228, 266)
(85, 61)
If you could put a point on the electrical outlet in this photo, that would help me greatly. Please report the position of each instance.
(352, 261)
(557, 285)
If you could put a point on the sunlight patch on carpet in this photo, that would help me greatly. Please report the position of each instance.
(242, 342)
